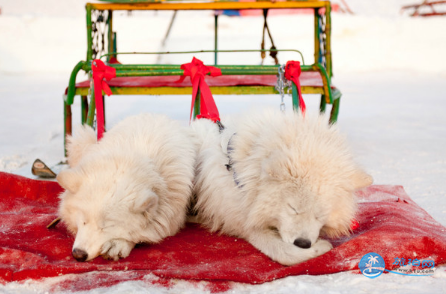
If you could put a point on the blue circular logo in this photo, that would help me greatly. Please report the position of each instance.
(372, 265)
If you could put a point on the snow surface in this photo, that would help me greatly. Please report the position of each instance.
(391, 69)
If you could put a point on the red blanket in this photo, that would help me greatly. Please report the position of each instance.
(391, 224)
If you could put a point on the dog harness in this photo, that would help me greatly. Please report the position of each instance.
(229, 165)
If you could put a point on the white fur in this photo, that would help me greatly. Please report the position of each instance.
(296, 180)
(132, 186)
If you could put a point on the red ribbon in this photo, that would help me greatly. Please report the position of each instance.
(292, 73)
(101, 72)
(197, 70)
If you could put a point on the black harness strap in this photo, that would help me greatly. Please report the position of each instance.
(229, 165)
(229, 149)
(221, 127)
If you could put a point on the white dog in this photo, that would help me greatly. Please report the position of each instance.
(132, 186)
(277, 180)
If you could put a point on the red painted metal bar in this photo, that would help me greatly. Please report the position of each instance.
(426, 3)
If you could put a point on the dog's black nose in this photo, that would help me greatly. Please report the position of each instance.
(302, 243)
(79, 254)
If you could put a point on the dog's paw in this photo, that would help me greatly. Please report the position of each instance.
(116, 249)
(290, 254)
(321, 247)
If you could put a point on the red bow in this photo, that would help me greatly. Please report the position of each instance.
(197, 70)
(292, 73)
(101, 72)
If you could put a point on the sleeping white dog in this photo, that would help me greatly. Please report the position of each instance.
(132, 186)
(280, 181)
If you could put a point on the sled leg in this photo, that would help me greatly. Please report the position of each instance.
(163, 43)
(84, 109)
(215, 38)
(103, 107)
(335, 109)
(67, 125)
(197, 105)
(323, 104)
(91, 111)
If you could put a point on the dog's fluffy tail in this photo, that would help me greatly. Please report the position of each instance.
(78, 145)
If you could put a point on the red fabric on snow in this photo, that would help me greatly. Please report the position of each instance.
(391, 224)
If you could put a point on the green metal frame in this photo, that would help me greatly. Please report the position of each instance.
(175, 70)
(322, 54)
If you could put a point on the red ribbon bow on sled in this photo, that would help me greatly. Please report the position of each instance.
(292, 73)
(101, 72)
(197, 70)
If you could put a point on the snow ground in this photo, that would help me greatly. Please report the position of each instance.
(390, 68)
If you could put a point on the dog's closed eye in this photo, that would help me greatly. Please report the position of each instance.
(294, 209)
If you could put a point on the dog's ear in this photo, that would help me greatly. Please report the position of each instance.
(80, 144)
(70, 180)
(147, 200)
(361, 179)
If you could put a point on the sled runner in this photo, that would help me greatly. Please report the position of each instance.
(160, 79)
